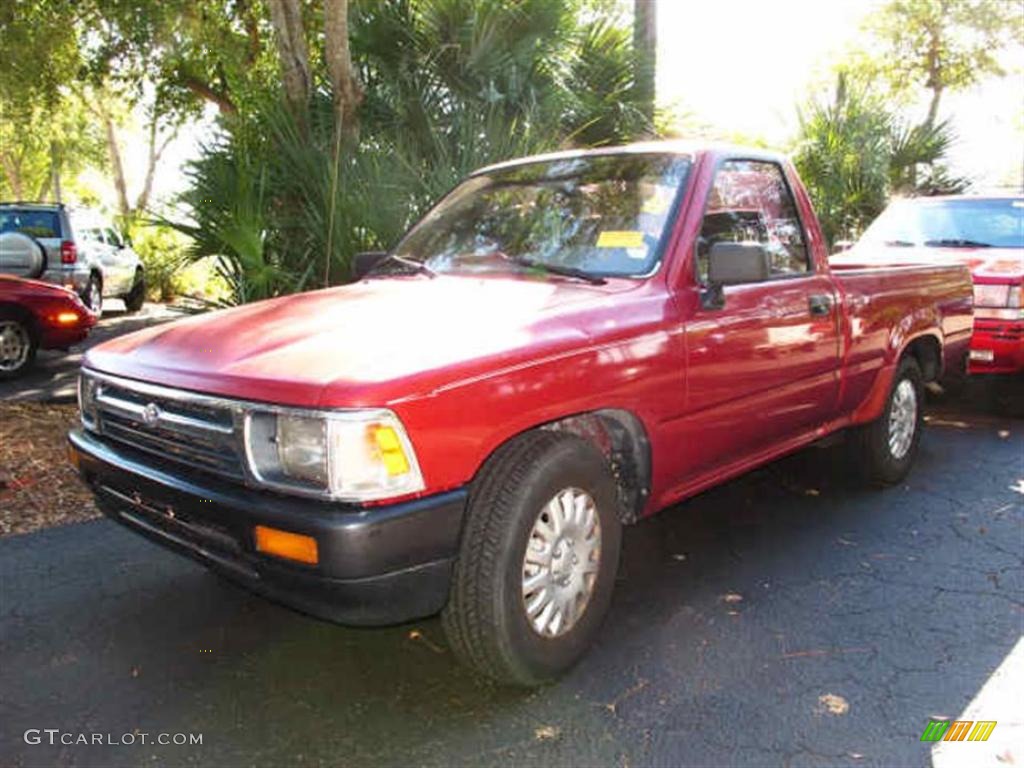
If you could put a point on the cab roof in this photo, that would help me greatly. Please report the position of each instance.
(684, 147)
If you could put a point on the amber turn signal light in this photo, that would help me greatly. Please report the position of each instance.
(67, 318)
(290, 546)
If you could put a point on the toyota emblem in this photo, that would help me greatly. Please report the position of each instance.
(151, 414)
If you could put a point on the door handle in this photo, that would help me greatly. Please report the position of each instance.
(819, 304)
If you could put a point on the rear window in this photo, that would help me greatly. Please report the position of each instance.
(29, 222)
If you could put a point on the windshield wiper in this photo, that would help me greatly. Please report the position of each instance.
(956, 243)
(556, 269)
(899, 243)
(417, 266)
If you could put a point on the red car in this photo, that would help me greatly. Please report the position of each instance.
(35, 315)
(986, 234)
(564, 345)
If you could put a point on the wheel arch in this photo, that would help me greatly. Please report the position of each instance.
(925, 348)
(621, 437)
(11, 309)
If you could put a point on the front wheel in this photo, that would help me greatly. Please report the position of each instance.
(885, 448)
(534, 575)
(17, 347)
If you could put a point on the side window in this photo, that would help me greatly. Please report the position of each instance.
(750, 202)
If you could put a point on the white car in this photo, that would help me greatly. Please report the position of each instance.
(77, 249)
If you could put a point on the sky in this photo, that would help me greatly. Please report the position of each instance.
(740, 67)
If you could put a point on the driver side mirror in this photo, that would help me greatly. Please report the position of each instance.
(363, 262)
(733, 264)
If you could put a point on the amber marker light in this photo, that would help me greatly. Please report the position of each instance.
(290, 546)
(389, 448)
(67, 318)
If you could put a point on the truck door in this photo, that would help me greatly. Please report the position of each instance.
(762, 368)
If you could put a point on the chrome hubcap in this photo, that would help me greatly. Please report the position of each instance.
(562, 558)
(902, 419)
(14, 345)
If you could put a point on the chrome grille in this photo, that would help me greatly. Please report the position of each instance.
(190, 430)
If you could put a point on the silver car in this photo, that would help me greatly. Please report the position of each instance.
(76, 249)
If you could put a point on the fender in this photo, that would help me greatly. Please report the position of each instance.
(874, 402)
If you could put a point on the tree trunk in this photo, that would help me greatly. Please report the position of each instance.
(12, 170)
(286, 18)
(55, 171)
(206, 91)
(645, 45)
(116, 166)
(156, 151)
(933, 108)
(44, 187)
(346, 90)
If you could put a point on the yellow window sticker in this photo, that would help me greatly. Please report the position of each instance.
(620, 239)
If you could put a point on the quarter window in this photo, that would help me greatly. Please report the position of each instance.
(750, 202)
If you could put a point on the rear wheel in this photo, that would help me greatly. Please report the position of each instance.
(886, 447)
(134, 299)
(536, 567)
(93, 295)
(17, 346)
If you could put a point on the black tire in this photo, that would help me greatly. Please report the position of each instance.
(92, 295)
(486, 618)
(880, 464)
(134, 299)
(18, 345)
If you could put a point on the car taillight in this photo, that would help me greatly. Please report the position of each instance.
(68, 252)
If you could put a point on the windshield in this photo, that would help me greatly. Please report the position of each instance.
(602, 215)
(950, 223)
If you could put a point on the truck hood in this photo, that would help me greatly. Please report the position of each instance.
(369, 343)
(987, 265)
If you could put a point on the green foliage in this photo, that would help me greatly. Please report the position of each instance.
(162, 251)
(34, 139)
(451, 86)
(940, 45)
(852, 152)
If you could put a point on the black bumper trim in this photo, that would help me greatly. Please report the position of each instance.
(378, 565)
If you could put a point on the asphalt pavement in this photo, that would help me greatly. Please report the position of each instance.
(54, 377)
(788, 618)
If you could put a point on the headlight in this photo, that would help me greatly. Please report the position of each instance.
(349, 455)
(87, 400)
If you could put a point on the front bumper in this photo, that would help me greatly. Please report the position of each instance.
(377, 565)
(997, 346)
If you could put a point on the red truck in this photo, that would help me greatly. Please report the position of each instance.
(33, 316)
(984, 232)
(562, 346)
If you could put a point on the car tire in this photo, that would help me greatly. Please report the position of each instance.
(92, 295)
(18, 345)
(134, 299)
(885, 449)
(541, 541)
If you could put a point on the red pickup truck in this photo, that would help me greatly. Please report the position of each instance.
(562, 346)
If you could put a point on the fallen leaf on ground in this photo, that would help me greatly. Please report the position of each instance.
(833, 704)
(547, 733)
